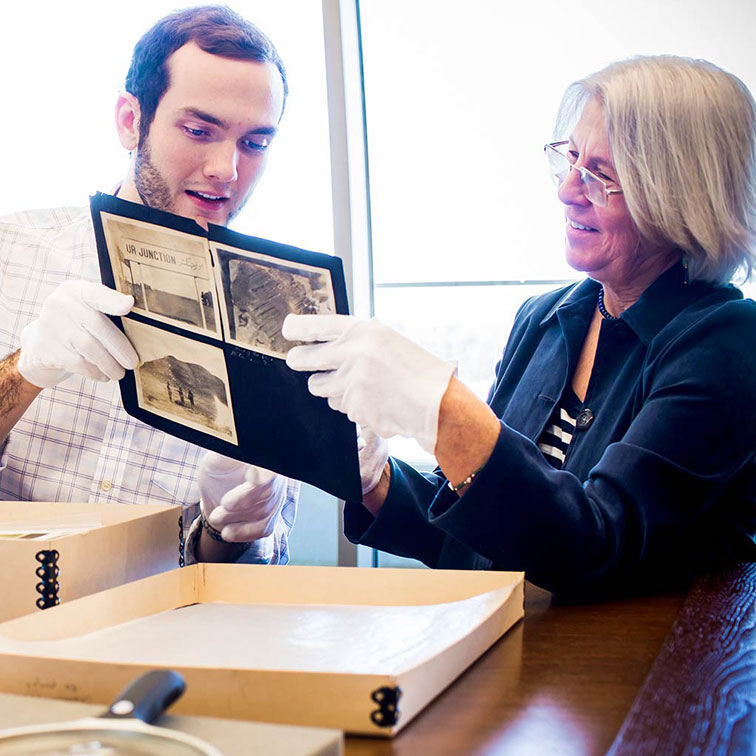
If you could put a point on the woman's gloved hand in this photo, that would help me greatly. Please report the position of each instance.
(376, 376)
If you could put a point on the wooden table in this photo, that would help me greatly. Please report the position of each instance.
(657, 675)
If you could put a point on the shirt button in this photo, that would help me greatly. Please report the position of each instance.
(106, 485)
(584, 419)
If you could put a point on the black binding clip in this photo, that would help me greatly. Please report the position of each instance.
(182, 545)
(47, 572)
(387, 713)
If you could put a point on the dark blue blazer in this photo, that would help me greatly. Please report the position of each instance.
(659, 484)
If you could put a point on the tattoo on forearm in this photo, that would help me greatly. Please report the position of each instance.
(10, 383)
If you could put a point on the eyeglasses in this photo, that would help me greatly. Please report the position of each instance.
(560, 165)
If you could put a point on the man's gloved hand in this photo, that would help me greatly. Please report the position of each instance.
(373, 454)
(376, 376)
(239, 500)
(74, 335)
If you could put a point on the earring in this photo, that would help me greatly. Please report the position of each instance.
(686, 276)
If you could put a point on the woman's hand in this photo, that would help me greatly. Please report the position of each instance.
(467, 433)
(391, 386)
(368, 371)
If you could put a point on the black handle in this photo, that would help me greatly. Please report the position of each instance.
(147, 697)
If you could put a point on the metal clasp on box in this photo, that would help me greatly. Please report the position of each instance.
(48, 573)
(387, 698)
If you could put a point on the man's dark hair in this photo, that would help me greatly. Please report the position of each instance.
(216, 29)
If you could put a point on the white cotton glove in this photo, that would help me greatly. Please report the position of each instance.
(74, 335)
(373, 454)
(376, 376)
(239, 500)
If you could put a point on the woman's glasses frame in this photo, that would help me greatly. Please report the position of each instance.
(595, 188)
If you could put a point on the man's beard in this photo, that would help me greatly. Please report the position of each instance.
(150, 184)
(153, 189)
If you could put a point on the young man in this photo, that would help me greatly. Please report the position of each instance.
(204, 94)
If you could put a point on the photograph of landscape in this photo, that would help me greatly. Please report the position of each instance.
(260, 291)
(167, 272)
(182, 379)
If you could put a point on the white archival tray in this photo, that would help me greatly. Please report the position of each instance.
(356, 649)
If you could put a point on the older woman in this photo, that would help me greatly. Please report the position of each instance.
(616, 452)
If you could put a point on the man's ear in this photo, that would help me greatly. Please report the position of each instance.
(127, 120)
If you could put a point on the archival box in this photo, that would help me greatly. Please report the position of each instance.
(356, 649)
(55, 552)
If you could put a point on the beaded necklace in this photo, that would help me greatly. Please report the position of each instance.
(602, 309)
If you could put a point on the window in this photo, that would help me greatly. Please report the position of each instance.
(459, 101)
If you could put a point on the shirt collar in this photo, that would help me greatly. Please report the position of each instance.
(579, 297)
(660, 302)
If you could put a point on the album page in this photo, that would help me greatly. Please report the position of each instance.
(206, 323)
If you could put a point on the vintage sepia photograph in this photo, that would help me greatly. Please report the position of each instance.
(259, 291)
(182, 379)
(167, 272)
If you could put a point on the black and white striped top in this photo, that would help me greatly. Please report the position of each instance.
(557, 434)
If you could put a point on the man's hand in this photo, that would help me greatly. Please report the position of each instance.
(74, 335)
(376, 376)
(372, 451)
(241, 501)
(375, 474)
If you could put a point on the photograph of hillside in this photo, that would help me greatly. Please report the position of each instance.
(182, 379)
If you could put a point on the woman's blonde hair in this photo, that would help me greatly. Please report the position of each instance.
(683, 140)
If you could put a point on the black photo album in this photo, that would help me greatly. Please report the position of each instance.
(206, 324)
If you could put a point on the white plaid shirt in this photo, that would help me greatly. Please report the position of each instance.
(76, 442)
